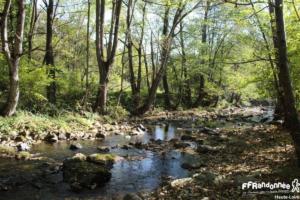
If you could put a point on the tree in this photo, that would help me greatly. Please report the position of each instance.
(106, 60)
(49, 55)
(13, 52)
(290, 113)
(33, 21)
(168, 36)
(135, 80)
(87, 53)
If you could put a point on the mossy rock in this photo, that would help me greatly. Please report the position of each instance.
(106, 160)
(84, 174)
(23, 155)
(79, 157)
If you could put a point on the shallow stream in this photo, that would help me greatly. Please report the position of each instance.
(141, 170)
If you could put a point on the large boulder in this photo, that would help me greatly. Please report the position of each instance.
(81, 174)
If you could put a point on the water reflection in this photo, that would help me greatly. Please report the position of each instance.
(144, 171)
(166, 132)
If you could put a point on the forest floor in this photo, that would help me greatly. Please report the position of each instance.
(235, 145)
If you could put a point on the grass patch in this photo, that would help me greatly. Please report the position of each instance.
(38, 123)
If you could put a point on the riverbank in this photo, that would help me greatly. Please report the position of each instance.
(195, 154)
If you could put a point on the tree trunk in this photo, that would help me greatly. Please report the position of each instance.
(167, 92)
(33, 21)
(101, 99)
(165, 75)
(49, 57)
(290, 112)
(203, 41)
(105, 64)
(13, 96)
(134, 88)
(13, 54)
(147, 70)
(279, 108)
(165, 53)
(87, 72)
(200, 91)
(186, 90)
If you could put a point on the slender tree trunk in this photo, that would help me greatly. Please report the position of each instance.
(13, 54)
(33, 21)
(122, 75)
(291, 114)
(279, 108)
(147, 70)
(49, 57)
(153, 63)
(87, 72)
(186, 91)
(296, 10)
(134, 88)
(204, 42)
(165, 75)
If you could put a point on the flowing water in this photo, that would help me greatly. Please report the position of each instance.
(145, 171)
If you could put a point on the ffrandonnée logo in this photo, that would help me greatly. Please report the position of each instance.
(296, 185)
(255, 186)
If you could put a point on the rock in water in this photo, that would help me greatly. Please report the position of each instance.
(103, 149)
(51, 138)
(81, 174)
(79, 156)
(142, 127)
(75, 146)
(62, 136)
(23, 147)
(100, 135)
(106, 160)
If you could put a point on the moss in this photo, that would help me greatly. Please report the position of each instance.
(102, 159)
(86, 174)
(6, 150)
(23, 155)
